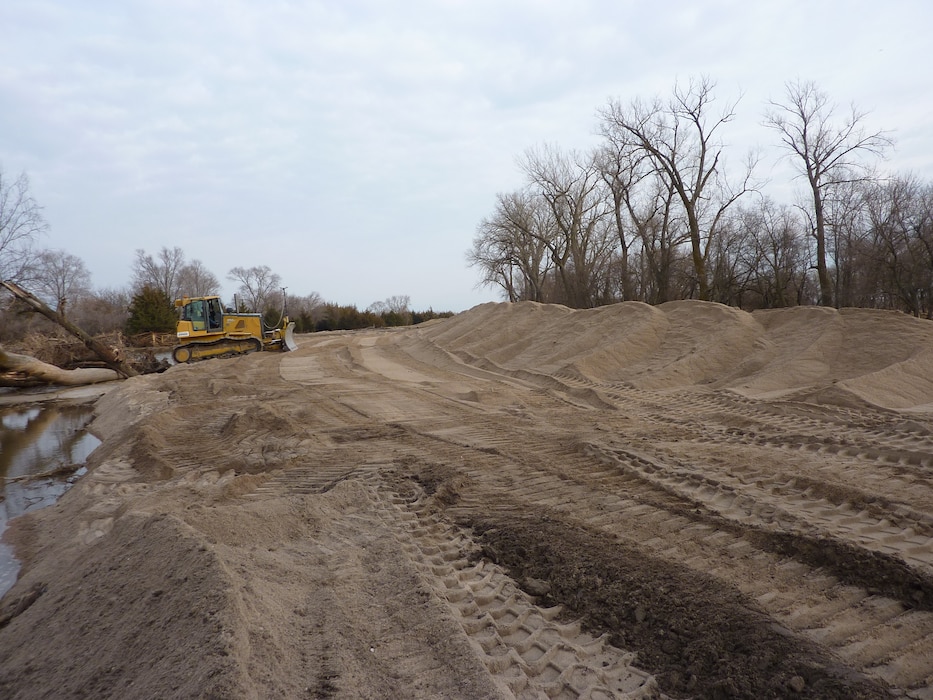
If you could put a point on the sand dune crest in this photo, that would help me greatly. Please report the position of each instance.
(882, 357)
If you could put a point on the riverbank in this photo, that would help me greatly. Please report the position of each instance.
(76, 394)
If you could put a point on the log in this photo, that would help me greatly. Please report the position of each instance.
(63, 470)
(50, 374)
(105, 353)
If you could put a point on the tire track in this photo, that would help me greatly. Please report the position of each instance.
(524, 646)
(789, 506)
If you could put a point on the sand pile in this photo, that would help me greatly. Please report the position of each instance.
(881, 357)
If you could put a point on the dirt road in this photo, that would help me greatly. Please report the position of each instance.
(521, 501)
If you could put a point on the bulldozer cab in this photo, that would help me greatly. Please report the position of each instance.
(205, 314)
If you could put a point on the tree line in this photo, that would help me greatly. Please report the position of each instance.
(653, 214)
(146, 305)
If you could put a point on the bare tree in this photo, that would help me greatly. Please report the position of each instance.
(683, 145)
(510, 248)
(305, 311)
(623, 169)
(257, 284)
(900, 214)
(21, 223)
(645, 220)
(580, 239)
(773, 251)
(828, 150)
(61, 278)
(102, 311)
(162, 272)
(399, 303)
(494, 255)
(304, 305)
(195, 280)
(729, 277)
(848, 242)
(396, 310)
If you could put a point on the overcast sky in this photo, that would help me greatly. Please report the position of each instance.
(353, 146)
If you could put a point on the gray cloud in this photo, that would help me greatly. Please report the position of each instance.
(354, 146)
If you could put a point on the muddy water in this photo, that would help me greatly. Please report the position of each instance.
(33, 441)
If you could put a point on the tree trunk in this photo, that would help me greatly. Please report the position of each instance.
(696, 249)
(822, 269)
(50, 374)
(102, 351)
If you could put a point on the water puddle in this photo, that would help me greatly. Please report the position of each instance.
(50, 441)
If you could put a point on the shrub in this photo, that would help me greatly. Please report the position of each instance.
(151, 311)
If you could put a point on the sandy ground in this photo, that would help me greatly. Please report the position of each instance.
(521, 501)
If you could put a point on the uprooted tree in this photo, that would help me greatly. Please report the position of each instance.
(24, 370)
(42, 372)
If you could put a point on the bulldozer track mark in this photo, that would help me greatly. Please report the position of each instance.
(652, 498)
(817, 420)
(886, 449)
(525, 648)
(630, 505)
(303, 480)
(522, 647)
(788, 507)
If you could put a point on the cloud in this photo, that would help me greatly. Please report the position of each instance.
(374, 136)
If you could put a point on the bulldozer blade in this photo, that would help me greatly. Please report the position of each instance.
(289, 341)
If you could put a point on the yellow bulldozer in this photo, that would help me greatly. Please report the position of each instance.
(205, 329)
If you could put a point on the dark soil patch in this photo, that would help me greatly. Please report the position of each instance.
(699, 637)
(877, 572)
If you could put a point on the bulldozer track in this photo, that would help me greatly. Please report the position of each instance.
(897, 458)
(525, 647)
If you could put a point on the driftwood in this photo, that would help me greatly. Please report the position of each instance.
(33, 369)
(109, 357)
(63, 470)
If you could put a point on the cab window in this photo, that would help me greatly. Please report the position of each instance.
(214, 314)
(195, 313)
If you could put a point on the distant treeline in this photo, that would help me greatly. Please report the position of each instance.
(333, 317)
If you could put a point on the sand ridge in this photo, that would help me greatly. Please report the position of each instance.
(686, 343)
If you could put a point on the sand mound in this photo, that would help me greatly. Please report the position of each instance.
(881, 357)
(180, 609)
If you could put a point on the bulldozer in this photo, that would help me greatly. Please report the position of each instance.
(205, 329)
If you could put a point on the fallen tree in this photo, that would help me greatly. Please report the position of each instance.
(61, 470)
(108, 355)
(22, 370)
